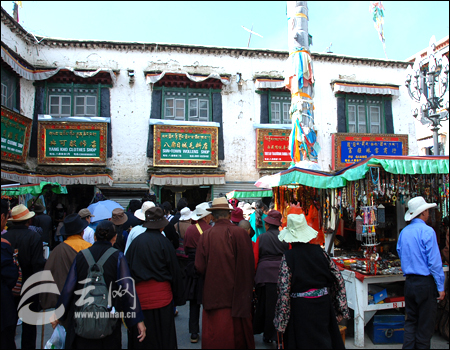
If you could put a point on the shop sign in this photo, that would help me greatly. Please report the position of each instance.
(272, 148)
(354, 148)
(185, 146)
(16, 131)
(72, 143)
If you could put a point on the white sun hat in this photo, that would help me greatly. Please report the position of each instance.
(416, 206)
(140, 213)
(185, 214)
(200, 211)
(297, 230)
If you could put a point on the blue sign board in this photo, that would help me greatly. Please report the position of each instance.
(356, 151)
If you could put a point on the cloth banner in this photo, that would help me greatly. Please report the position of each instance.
(153, 78)
(83, 179)
(367, 89)
(43, 74)
(187, 180)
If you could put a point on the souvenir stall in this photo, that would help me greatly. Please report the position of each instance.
(359, 212)
(31, 193)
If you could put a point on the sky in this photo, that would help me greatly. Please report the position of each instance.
(347, 25)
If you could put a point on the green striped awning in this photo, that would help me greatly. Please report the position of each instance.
(34, 189)
(413, 165)
(257, 193)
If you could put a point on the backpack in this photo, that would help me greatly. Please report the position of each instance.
(93, 309)
(18, 287)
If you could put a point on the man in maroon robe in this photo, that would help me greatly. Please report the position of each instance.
(225, 257)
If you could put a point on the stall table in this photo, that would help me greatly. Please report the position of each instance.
(358, 299)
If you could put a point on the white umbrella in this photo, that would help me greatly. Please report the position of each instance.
(103, 210)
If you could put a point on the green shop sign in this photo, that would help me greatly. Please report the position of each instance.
(72, 143)
(15, 136)
(185, 146)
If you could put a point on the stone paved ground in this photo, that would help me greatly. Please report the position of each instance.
(183, 336)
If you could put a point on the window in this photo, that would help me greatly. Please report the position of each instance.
(365, 115)
(10, 90)
(70, 100)
(187, 104)
(279, 108)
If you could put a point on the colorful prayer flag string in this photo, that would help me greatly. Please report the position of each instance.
(376, 7)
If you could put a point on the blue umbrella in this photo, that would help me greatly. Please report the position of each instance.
(103, 210)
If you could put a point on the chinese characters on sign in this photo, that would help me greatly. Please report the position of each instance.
(276, 149)
(15, 136)
(272, 148)
(72, 143)
(356, 151)
(185, 146)
(354, 148)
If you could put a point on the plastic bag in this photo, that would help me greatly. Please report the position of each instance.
(58, 338)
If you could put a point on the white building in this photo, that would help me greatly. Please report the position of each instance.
(133, 86)
(424, 133)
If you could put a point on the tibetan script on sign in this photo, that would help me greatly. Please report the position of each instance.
(354, 148)
(185, 146)
(272, 148)
(16, 131)
(72, 143)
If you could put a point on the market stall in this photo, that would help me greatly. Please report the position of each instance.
(359, 211)
(31, 192)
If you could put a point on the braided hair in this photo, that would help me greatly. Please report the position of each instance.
(259, 213)
(105, 231)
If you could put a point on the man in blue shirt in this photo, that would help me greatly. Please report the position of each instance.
(421, 264)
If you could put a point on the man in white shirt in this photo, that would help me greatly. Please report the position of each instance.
(88, 235)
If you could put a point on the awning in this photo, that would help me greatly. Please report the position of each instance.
(187, 180)
(30, 73)
(152, 78)
(263, 192)
(75, 179)
(34, 189)
(269, 83)
(412, 165)
(366, 88)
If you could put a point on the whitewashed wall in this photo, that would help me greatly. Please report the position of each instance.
(326, 104)
(131, 103)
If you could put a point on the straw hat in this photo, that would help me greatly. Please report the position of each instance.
(154, 218)
(200, 211)
(273, 217)
(416, 206)
(118, 216)
(220, 204)
(20, 213)
(185, 214)
(140, 213)
(297, 230)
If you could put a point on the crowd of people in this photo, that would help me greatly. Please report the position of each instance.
(250, 275)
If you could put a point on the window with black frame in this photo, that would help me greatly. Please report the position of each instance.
(65, 100)
(187, 104)
(10, 90)
(275, 107)
(364, 114)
